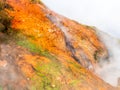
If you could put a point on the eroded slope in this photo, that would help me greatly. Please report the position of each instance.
(46, 51)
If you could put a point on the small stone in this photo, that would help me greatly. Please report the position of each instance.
(3, 63)
(58, 78)
(50, 30)
(53, 85)
(28, 78)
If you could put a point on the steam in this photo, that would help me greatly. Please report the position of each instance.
(109, 69)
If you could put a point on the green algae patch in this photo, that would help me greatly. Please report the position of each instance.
(1, 88)
(34, 48)
(47, 77)
(54, 76)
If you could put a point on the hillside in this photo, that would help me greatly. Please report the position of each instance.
(42, 50)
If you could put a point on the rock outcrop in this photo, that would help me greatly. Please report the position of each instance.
(42, 50)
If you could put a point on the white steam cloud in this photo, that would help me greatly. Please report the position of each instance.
(109, 69)
(103, 14)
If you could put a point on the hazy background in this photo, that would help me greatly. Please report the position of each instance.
(104, 14)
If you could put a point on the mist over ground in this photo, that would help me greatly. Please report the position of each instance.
(103, 14)
(109, 68)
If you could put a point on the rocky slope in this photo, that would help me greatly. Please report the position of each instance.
(41, 50)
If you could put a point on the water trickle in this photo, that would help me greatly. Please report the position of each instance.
(77, 53)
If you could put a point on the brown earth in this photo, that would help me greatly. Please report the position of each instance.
(41, 50)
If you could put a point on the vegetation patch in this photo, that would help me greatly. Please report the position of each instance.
(34, 48)
(1, 88)
(46, 76)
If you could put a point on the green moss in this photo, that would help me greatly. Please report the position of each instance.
(1, 88)
(18, 38)
(28, 45)
(45, 73)
(46, 76)
(34, 48)
(48, 73)
(74, 82)
(25, 41)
